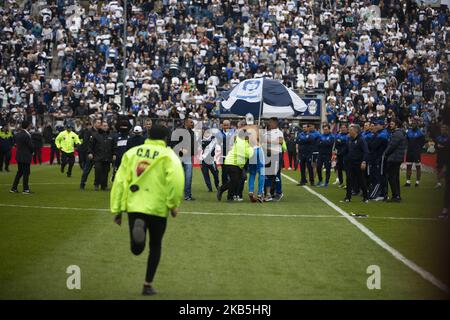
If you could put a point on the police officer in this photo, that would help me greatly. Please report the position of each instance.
(377, 164)
(326, 142)
(89, 163)
(66, 142)
(54, 151)
(6, 145)
(341, 149)
(150, 179)
(356, 156)
(137, 138)
(121, 142)
(101, 150)
(416, 140)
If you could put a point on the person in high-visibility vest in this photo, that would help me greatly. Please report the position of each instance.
(66, 142)
(148, 186)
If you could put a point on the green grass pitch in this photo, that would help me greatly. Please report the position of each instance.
(298, 248)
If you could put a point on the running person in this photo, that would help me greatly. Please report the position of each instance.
(148, 185)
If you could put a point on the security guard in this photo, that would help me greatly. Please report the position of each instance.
(6, 145)
(148, 185)
(233, 166)
(66, 142)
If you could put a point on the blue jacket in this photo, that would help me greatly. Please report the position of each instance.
(416, 140)
(357, 150)
(326, 143)
(308, 143)
(341, 143)
(378, 145)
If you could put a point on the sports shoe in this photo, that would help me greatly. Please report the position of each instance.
(268, 199)
(417, 184)
(219, 195)
(260, 198)
(395, 199)
(148, 290)
(189, 199)
(325, 185)
(319, 184)
(13, 191)
(345, 200)
(238, 199)
(365, 200)
(252, 197)
(438, 185)
(407, 184)
(27, 192)
(69, 175)
(336, 182)
(278, 197)
(301, 184)
(378, 199)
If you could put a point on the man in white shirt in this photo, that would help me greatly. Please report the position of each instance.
(274, 140)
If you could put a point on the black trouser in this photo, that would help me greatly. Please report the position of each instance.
(393, 173)
(139, 223)
(243, 179)
(206, 168)
(5, 157)
(292, 156)
(340, 167)
(37, 155)
(82, 158)
(324, 160)
(23, 170)
(86, 170)
(67, 159)
(306, 162)
(224, 175)
(355, 174)
(54, 152)
(377, 177)
(101, 174)
(232, 185)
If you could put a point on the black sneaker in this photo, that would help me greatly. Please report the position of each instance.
(407, 184)
(365, 200)
(396, 199)
(13, 191)
(148, 290)
(69, 175)
(278, 197)
(81, 187)
(300, 184)
(189, 199)
(219, 195)
(27, 192)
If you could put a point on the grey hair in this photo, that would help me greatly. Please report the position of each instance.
(357, 127)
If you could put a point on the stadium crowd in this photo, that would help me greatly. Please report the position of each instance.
(378, 62)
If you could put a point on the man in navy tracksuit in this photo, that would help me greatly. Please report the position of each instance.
(377, 168)
(341, 147)
(326, 143)
(356, 156)
(302, 156)
(368, 135)
(416, 140)
(308, 143)
(315, 148)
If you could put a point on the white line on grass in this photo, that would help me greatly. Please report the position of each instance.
(224, 213)
(425, 274)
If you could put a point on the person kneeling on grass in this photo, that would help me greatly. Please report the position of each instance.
(148, 185)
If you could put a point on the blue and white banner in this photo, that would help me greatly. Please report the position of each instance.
(263, 98)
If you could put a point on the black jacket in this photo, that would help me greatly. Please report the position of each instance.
(357, 150)
(135, 140)
(37, 139)
(101, 145)
(395, 151)
(24, 146)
